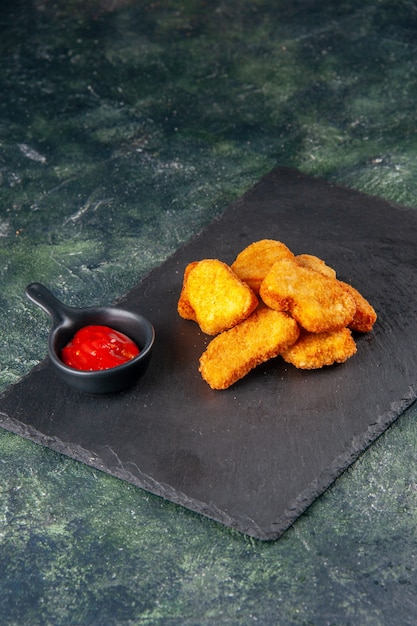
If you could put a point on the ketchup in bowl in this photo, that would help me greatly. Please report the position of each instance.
(98, 347)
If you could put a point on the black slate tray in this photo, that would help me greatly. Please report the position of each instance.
(255, 456)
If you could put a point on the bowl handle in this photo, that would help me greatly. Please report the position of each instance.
(40, 295)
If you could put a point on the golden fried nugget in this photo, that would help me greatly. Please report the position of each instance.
(365, 315)
(315, 350)
(314, 263)
(317, 302)
(218, 298)
(254, 262)
(184, 307)
(232, 354)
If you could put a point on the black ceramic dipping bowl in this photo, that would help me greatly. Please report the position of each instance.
(66, 321)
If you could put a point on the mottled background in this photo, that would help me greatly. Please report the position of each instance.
(126, 126)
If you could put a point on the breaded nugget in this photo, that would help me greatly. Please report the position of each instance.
(232, 354)
(184, 307)
(317, 302)
(315, 263)
(255, 261)
(365, 315)
(218, 298)
(314, 350)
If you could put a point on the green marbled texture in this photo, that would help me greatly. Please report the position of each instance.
(124, 128)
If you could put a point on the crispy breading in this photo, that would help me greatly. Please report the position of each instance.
(218, 298)
(365, 314)
(315, 263)
(255, 261)
(271, 302)
(233, 353)
(317, 302)
(184, 307)
(315, 350)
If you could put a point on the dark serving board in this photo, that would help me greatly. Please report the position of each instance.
(255, 456)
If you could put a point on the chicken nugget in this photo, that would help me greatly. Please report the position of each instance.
(184, 307)
(315, 350)
(232, 354)
(315, 263)
(317, 302)
(218, 298)
(365, 315)
(254, 262)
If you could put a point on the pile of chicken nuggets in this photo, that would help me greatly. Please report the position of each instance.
(271, 302)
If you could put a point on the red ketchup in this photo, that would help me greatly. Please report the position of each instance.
(98, 348)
